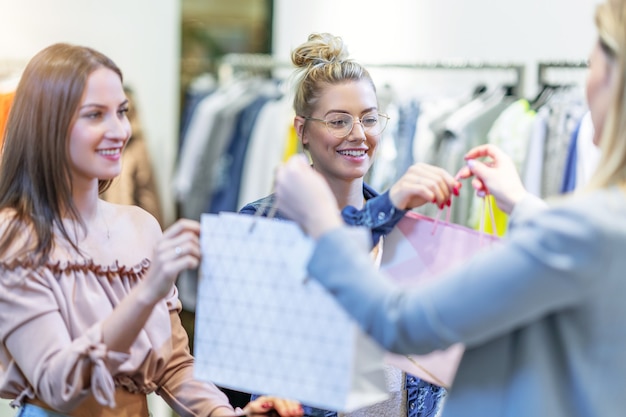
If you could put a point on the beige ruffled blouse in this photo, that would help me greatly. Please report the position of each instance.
(52, 351)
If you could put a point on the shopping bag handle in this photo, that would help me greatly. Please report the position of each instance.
(273, 208)
(489, 206)
(486, 206)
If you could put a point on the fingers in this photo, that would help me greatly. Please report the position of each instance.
(484, 151)
(182, 226)
(178, 250)
(464, 173)
(284, 407)
(303, 195)
(182, 239)
(480, 187)
(498, 177)
(423, 183)
(184, 250)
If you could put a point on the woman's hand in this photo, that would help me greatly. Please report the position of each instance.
(178, 249)
(283, 407)
(121, 328)
(304, 196)
(497, 176)
(421, 184)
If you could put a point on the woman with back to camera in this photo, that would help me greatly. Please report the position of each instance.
(339, 123)
(88, 308)
(541, 315)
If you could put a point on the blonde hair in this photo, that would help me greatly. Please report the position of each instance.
(322, 60)
(610, 21)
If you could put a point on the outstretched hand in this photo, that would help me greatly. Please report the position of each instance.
(304, 196)
(496, 176)
(421, 184)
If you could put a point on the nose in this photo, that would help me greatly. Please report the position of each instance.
(357, 134)
(118, 129)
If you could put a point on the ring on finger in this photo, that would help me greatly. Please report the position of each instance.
(178, 250)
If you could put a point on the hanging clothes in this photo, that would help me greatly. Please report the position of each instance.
(510, 132)
(466, 128)
(235, 137)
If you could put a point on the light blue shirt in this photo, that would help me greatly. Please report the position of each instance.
(542, 315)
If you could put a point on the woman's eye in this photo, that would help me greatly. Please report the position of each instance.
(92, 115)
(338, 123)
(370, 120)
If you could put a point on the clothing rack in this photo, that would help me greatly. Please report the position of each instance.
(231, 64)
(544, 66)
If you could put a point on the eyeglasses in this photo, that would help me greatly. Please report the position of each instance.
(340, 124)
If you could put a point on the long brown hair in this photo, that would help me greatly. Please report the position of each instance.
(35, 184)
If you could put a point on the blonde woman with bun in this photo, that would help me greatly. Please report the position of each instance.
(339, 123)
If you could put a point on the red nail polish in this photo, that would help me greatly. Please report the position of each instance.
(448, 203)
(455, 191)
(266, 405)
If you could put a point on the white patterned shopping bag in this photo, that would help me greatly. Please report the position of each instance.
(261, 327)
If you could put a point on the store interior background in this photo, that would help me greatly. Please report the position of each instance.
(163, 45)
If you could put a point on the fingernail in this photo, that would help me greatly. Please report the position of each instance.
(266, 405)
(434, 200)
(470, 163)
(449, 203)
(480, 194)
(455, 191)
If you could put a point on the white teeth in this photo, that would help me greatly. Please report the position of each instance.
(353, 153)
(109, 152)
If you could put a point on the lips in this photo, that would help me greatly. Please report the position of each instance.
(110, 152)
(353, 152)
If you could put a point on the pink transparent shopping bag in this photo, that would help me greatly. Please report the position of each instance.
(418, 250)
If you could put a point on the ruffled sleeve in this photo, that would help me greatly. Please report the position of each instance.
(44, 352)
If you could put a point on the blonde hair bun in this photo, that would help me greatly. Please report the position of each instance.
(320, 49)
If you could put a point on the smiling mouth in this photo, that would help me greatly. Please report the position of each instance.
(109, 152)
(361, 152)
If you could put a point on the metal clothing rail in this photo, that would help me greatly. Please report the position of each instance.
(544, 66)
(231, 64)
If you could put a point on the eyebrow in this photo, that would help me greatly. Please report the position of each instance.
(368, 110)
(123, 103)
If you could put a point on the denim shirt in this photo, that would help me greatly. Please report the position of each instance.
(380, 216)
